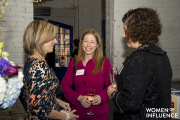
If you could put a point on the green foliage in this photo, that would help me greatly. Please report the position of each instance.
(5, 110)
(6, 78)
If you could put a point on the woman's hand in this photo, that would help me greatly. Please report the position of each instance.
(63, 104)
(110, 90)
(72, 115)
(96, 100)
(84, 101)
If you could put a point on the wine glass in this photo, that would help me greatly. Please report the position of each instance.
(113, 73)
(90, 98)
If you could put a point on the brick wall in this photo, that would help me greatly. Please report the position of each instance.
(18, 15)
(168, 11)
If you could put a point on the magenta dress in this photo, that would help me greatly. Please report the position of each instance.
(99, 82)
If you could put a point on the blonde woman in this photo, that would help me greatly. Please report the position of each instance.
(91, 73)
(39, 80)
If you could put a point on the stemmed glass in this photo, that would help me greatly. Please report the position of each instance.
(90, 98)
(113, 73)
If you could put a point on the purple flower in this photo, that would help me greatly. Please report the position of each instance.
(3, 64)
(12, 70)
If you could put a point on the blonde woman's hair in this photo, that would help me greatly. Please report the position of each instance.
(98, 54)
(38, 33)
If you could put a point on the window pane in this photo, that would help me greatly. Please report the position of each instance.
(67, 31)
(67, 41)
(62, 38)
(57, 38)
(62, 49)
(61, 30)
(57, 54)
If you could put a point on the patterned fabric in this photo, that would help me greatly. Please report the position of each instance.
(41, 84)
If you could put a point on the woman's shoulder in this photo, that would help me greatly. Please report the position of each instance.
(36, 63)
(136, 57)
(106, 62)
(151, 49)
(138, 54)
(72, 62)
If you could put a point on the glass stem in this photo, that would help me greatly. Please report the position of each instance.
(91, 108)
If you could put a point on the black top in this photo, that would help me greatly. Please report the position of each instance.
(75, 52)
(144, 83)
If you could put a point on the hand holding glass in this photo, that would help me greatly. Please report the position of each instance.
(113, 74)
(90, 98)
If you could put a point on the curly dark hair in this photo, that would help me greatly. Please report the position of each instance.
(143, 25)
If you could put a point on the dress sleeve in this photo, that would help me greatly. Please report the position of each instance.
(103, 94)
(67, 83)
(136, 77)
(40, 91)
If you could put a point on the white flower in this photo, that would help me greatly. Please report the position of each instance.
(12, 63)
(12, 92)
(20, 76)
(2, 89)
(5, 105)
(10, 89)
(2, 98)
(5, 55)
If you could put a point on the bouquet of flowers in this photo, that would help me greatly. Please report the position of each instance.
(11, 81)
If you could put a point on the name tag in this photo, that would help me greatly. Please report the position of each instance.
(80, 72)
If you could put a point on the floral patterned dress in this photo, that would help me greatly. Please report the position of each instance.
(41, 83)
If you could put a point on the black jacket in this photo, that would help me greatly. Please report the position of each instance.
(144, 83)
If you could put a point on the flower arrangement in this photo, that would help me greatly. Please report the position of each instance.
(11, 81)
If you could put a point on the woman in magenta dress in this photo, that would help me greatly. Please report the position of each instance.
(91, 72)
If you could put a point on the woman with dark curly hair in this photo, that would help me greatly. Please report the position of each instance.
(144, 81)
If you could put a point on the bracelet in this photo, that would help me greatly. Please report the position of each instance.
(68, 116)
(113, 94)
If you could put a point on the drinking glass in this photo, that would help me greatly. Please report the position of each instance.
(113, 73)
(90, 98)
